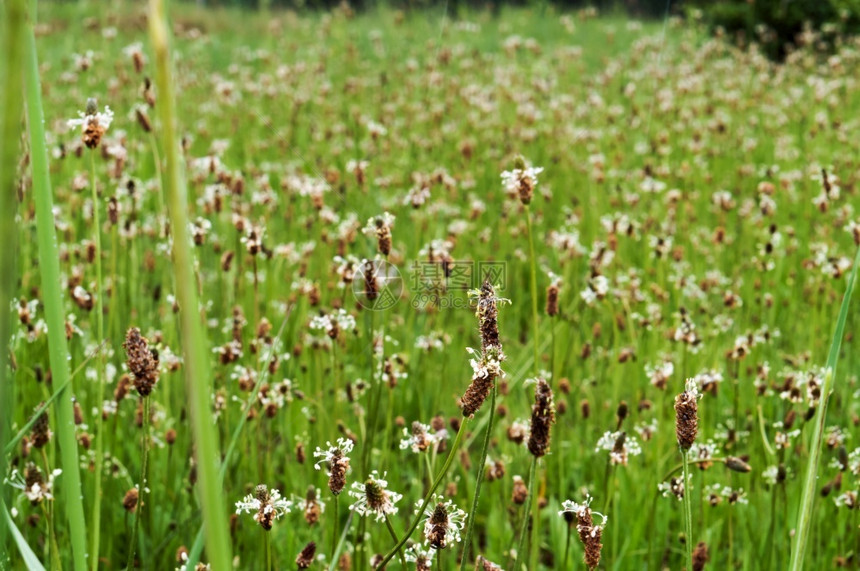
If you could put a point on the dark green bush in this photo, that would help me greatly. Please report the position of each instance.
(776, 24)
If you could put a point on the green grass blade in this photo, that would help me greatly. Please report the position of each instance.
(804, 517)
(27, 556)
(198, 377)
(12, 104)
(49, 265)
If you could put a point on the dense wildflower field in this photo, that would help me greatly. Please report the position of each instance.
(529, 290)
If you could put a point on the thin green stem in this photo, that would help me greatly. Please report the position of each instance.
(393, 535)
(567, 546)
(535, 539)
(267, 546)
(195, 345)
(533, 285)
(420, 513)
(524, 530)
(100, 370)
(334, 527)
(141, 490)
(478, 481)
(688, 512)
(52, 297)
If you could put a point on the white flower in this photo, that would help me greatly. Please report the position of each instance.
(423, 558)
(32, 483)
(443, 523)
(620, 446)
(511, 180)
(848, 500)
(422, 437)
(374, 498)
(268, 505)
(342, 449)
(583, 513)
(103, 119)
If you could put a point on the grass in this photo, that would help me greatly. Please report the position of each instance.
(58, 351)
(639, 131)
(11, 101)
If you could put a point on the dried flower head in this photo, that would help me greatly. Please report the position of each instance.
(311, 506)
(306, 557)
(141, 361)
(687, 415)
(700, 556)
(543, 417)
(487, 365)
(130, 500)
(41, 434)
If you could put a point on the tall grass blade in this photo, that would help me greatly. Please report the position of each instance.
(11, 103)
(804, 516)
(52, 297)
(194, 343)
(27, 556)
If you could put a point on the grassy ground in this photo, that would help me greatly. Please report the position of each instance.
(681, 207)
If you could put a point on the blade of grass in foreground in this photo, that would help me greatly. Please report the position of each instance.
(52, 297)
(804, 516)
(12, 105)
(194, 345)
(27, 556)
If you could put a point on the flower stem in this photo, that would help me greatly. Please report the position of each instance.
(141, 491)
(524, 531)
(394, 537)
(535, 540)
(334, 526)
(567, 545)
(420, 513)
(100, 370)
(478, 481)
(533, 285)
(688, 512)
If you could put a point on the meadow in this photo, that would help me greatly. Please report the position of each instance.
(528, 290)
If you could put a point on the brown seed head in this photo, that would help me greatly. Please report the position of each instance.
(141, 361)
(41, 431)
(129, 501)
(437, 528)
(700, 556)
(686, 419)
(306, 557)
(337, 476)
(543, 417)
